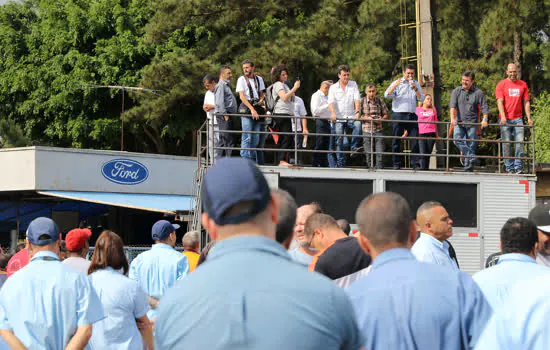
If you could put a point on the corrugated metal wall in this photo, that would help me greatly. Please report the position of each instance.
(468, 248)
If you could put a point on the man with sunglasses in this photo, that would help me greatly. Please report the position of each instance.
(466, 103)
(540, 216)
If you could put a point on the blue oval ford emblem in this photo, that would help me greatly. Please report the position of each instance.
(124, 171)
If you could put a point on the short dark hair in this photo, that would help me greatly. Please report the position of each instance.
(343, 67)
(247, 61)
(384, 218)
(319, 220)
(108, 252)
(317, 208)
(222, 68)
(277, 71)
(344, 225)
(469, 74)
(287, 215)
(518, 235)
(209, 79)
(370, 85)
(409, 66)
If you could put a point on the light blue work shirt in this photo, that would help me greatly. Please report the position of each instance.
(158, 269)
(429, 249)
(45, 302)
(496, 281)
(523, 321)
(123, 302)
(404, 98)
(403, 303)
(250, 295)
(300, 257)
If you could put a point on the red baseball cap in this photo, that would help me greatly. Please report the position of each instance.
(18, 261)
(76, 239)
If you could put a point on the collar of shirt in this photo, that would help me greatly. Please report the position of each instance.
(392, 255)
(322, 94)
(45, 254)
(244, 243)
(161, 246)
(515, 257)
(471, 91)
(442, 245)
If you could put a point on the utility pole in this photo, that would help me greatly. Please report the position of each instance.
(123, 89)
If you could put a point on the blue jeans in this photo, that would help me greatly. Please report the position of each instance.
(250, 140)
(340, 143)
(321, 143)
(261, 144)
(468, 148)
(506, 133)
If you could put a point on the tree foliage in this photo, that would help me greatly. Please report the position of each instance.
(56, 52)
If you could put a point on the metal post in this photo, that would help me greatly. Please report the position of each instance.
(533, 149)
(448, 146)
(371, 143)
(295, 140)
(499, 144)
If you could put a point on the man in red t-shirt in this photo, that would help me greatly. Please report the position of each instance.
(512, 98)
(18, 261)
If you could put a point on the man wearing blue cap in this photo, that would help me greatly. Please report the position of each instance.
(249, 294)
(47, 305)
(158, 269)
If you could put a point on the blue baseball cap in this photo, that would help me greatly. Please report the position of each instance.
(231, 181)
(42, 226)
(162, 229)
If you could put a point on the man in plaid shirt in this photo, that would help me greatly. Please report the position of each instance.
(372, 108)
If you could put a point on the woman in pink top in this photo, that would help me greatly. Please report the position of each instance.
(426, 113)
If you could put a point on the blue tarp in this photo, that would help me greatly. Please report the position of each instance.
(164, 203)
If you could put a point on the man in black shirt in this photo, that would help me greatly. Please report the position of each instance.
(339, 255)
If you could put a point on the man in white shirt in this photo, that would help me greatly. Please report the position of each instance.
(77, 249)
(250, 88)
(299, 125)
(209, 106)
(344, 103)
(319, 109)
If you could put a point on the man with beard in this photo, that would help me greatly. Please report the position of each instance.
(436, 226)
(303, 253)
(540, 216)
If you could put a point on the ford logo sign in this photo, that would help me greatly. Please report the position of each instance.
(125, 171)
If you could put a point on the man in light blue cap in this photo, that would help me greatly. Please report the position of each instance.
(158, 269)
(249, 294)
(47, 305)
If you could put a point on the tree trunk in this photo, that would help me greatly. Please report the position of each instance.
(518, 51)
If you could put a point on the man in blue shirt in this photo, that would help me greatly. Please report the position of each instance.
(405, 93)
(158, 269)
(523, 321)
(403, 303)
(518, 239)
(436, 227)
(47, 305)
(249, 294)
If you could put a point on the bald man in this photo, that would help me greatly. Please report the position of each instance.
(512, 96)
(436, 227)
(300, 249)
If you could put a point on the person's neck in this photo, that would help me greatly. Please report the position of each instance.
(375, 252)
(371, 99)
(439, 238)
(191, 250)
(343, 84)
(74, 255)
(308, 250)
(331, 237)
(243, 230)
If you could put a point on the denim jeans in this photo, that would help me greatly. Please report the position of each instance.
(397, 130)
(322, 126)
(426, 146)
(512, 127)
(468, 148)
(250, 140)
(377, 147)
(261, 144)
(340, 143)
(298, 139)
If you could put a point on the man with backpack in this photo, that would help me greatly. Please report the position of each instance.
(372, 109)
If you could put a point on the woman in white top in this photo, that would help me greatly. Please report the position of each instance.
(284, 106)
(124, 302)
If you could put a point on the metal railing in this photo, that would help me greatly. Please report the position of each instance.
(204, 144)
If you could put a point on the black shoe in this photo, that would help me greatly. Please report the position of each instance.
(474, 162)
(510, 171)
(469, 168)
(396, 167)
(356, 151)
(519, 171)
(417, 167)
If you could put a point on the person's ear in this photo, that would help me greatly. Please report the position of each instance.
(500, 245)
(274, 206)
(209, 225)
(364, 243)
(413, 233)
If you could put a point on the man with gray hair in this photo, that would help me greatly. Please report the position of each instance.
(287, 217)
(191, 245)
(405, 303)
(300, 249)
(436, 227)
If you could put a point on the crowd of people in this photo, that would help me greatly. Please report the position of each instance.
(338, 107)
(279, 276)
